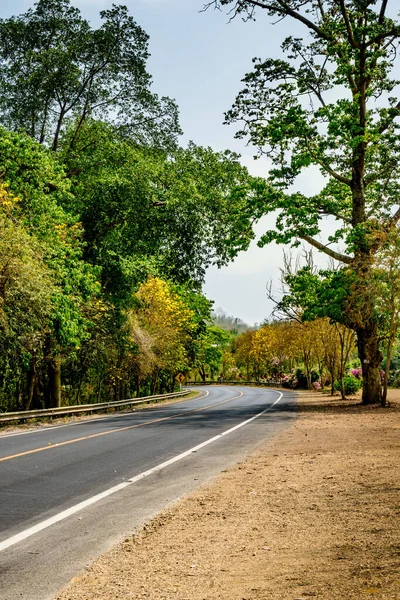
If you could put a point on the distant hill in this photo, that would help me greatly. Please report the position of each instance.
(228, 322)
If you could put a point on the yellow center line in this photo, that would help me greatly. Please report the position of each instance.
(94, 435)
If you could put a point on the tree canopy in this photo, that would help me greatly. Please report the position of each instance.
(56, 70)
(144, 211)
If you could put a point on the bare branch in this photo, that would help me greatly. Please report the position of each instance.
(280, 7)
(286, 10)
(279, 308)
(382, 11)
(336, 255)
(321, 8)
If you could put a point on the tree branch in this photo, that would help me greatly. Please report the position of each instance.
(286, 10)
(287, 311)
(346, 180)
(382, 36)
(327, 213)
(336, 175)
(348, 25)
(382, 11)
(321, 8)
(281, 7)
(336, 255)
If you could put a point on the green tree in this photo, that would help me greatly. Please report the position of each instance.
(26, 288)
(331, 104)
(55, 69)
(33, 174)
(145, 212)
(210, 348)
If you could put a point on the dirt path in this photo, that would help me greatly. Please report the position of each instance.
(313, 514)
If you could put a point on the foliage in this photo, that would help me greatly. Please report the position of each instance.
(209, 351)
(26, 288)
(25, 283)
(37, 221)
(55, 69)
(33, 174)
(147, 213)
(351, 384)
(169, 320)
(116, 218)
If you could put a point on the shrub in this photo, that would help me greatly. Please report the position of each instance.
(301, 379)
(351, 384)
(289, 381)
(315, 376)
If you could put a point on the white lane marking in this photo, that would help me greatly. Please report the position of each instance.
(23, 535)
(3, 436)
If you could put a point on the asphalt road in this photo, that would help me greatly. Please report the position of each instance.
(68, 493)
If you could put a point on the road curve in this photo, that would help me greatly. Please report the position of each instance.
(68, 493)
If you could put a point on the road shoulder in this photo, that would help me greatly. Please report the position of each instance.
(312, 514)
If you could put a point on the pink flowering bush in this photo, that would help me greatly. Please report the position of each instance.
(357, 373)
(289, 381)
(316, 385)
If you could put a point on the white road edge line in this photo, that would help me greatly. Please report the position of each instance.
(23, 535)
(4, 436)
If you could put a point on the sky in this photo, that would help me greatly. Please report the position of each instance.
(199, 58)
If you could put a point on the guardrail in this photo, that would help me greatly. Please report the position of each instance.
(256, 383)
(67, 410)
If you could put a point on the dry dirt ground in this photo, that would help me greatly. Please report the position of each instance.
(314, 514)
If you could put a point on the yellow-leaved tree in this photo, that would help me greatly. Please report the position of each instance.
(26, 286)
(169, 322)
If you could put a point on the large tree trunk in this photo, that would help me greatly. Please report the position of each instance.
(202, 371)
(154, 383)
(58, 129)
(371, 358)
(52, 392)
(54, 374)
(32, 380)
